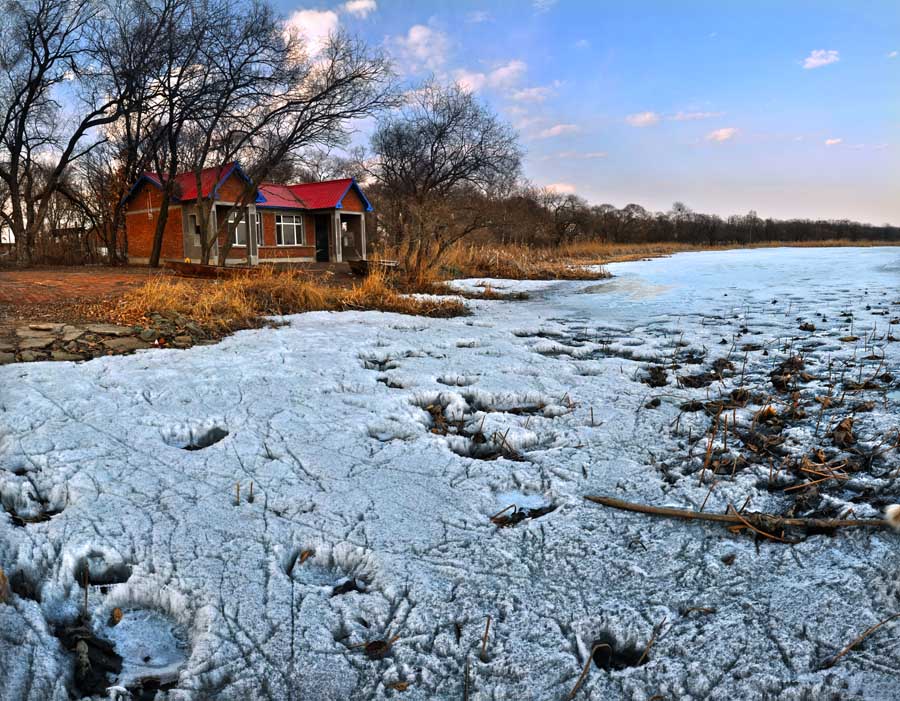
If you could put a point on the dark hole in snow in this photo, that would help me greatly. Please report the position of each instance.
(656, 376)
(514, 514)
(99, 572)
(23, 586)
(609, 654)
(40, 517)
(349, 585)
(94, 658)
(206, 439)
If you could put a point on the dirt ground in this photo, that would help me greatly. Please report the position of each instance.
(59, 294)
(52, 293)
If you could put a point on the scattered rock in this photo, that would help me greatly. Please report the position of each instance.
(6, 358)
(36, 343)
(52, 328)
(124, 344)
(148, 335)
(182, 341)
(109, 330)
(71, 333)
(27, 332)
(62, 356)
(31, 356)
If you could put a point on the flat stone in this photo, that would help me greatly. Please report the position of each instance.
(30, 356)
(62, 356)
(183, 341)
(121, 345)
(7, 358)
(52, 328)
(36, 343)
(7, 347)
(27, 332)
(71, 333)
(149, 335)
(109, 330)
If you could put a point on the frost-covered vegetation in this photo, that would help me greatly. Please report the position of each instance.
(365, 505)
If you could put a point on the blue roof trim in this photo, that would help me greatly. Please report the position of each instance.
(354, 184)
(137, 184)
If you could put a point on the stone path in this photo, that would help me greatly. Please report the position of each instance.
(52, 341)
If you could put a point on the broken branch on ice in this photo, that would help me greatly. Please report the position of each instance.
(764, 524)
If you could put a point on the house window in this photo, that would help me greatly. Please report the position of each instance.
(239, 237)
(259, 230)
(289, 229)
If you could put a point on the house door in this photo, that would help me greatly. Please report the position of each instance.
(322, 236)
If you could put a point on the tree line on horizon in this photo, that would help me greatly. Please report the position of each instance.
(95, 92)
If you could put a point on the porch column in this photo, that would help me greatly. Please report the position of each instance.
(252, 248)
(362, 236)
(338, 238)
(213, 224)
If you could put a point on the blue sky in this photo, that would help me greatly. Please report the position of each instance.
(788, 108)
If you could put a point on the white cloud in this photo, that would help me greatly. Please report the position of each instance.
(581, 155)
(643, 119)
(543, 5)
(562, 188)
(360, 8)
(558, 130)
(313, 27)
(508, 74)
(893, 54)
(421, 48)
(821, 57)
(724, 134)
(693, 116)
(469, 81)
(477, 17)
(504, 76)
(536, 94)
(582, 44)
(833, 142)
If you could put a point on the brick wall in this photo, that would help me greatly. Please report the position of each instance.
(352, 202)
(140, 228)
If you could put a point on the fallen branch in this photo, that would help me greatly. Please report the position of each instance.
(769, 523)
(831, 661)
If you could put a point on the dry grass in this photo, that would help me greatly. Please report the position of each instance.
(567, 262)
(222, 306)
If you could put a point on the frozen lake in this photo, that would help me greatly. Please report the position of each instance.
(379, 446)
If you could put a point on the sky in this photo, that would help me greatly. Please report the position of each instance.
(788, 108)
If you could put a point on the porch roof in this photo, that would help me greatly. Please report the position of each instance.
(328, 194)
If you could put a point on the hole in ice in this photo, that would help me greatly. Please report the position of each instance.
(206, 439)
(457, 380)
(25, 586)
(610, 654)
(94, 658)
(153, 648)
(100, 572)
(348, 585)
(520, 507)
(26, 505)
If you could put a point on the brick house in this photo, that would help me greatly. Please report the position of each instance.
(323, 221)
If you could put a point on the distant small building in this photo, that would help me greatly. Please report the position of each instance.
(323, 221)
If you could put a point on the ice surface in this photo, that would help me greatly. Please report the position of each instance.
(355, 478)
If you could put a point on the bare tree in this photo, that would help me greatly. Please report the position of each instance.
(441, 161)
(64, 76)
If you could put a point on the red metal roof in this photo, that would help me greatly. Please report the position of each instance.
(327, 194)
(186, 183)
(324, 195)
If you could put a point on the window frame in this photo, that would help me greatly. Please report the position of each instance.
(235, 243)
(296, 222)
